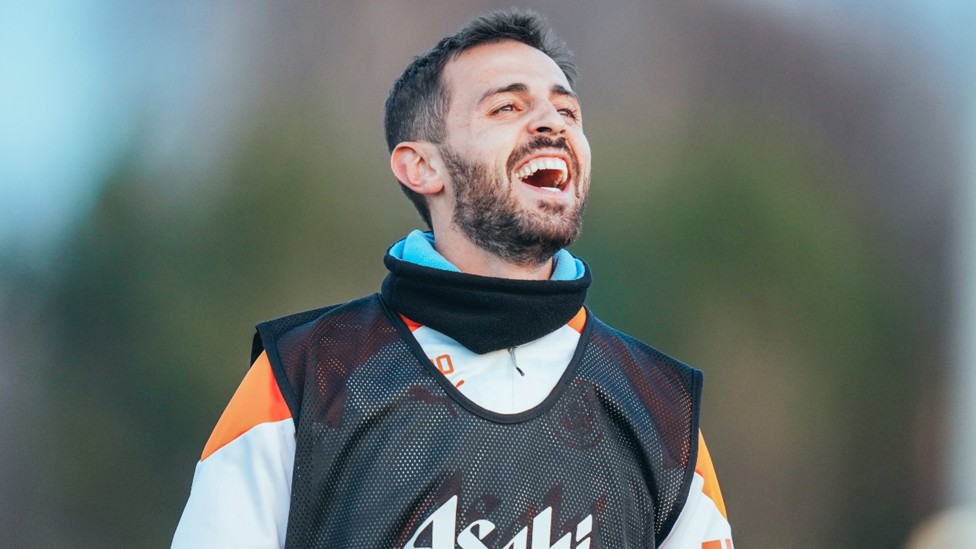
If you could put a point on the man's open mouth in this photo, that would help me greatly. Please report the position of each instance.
(546, 173)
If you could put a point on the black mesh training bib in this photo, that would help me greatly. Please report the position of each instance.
(391, 455)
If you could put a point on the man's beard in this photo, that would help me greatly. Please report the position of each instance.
(488, 212)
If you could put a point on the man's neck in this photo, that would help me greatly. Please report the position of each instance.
(471, 259)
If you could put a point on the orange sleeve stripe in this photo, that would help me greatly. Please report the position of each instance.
(705, 468)
(258, 400)
(578, 321)
(410, 324)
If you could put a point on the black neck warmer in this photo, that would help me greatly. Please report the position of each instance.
(482, 313)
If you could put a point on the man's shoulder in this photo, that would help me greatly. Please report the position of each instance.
(613, 338)
(295, 325)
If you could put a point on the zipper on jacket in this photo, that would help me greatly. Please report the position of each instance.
(511, 353)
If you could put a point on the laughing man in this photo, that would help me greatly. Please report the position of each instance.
(474, 402)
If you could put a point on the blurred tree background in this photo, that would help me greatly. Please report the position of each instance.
(772, 203)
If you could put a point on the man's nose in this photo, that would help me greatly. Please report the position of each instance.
(547, 121)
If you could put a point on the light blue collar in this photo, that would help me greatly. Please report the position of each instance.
(418, 247)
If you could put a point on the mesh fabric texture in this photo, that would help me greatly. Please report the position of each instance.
(384, 440)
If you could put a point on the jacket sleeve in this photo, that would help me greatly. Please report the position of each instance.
(242, 484)
(703, 521)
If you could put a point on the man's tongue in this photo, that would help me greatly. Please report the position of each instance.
(543, 179)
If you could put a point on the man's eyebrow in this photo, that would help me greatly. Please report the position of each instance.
(516, 87)
(559, 89)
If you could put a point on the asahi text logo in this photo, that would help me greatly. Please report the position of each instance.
(442, 524)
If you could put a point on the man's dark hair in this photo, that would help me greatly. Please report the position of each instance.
(418, 102)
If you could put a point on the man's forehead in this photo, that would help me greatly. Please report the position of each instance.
(502, 63)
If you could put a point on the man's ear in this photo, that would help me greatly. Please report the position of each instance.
(417, 165)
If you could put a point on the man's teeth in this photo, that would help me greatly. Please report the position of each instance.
(545, 164)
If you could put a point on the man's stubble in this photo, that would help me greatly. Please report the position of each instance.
(490, 215)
